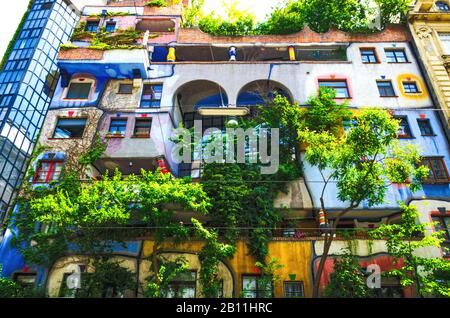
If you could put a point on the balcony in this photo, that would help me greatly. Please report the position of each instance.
(113, 64)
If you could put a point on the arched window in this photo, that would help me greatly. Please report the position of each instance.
(80, 88)
(442, 6)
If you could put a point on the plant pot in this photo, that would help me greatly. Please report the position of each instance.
(292, 276)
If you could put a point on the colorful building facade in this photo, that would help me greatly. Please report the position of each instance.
(135, 97)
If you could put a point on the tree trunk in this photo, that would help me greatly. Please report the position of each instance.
(155, 263)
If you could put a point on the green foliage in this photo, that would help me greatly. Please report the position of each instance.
(353, 16)
(15, 36)
(156, 3)
(11, 289)
(362, 161)
(236, 23)
(192, 14)
(347, 279)
(212, 253)
(324, 114)
(429, 275)
(168, 271)
(95, 151)
(393, 11)
(107, 276)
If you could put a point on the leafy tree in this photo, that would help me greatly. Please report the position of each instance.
(393, 11)
(363, 163)
(347, 279)
(430, 276)
(192, 14)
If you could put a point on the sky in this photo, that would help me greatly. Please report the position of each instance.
(9, 19)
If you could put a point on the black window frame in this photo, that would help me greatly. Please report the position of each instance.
(127, 91)
(69, 119)
(335, 87)
(259, 293)
(178, 284)
(302, 289)
(426, 130)
(395, 55)
(364, 51)
(16, 276)
(136, 124)
(79, 96)
(407, 128)
(407, 85)
(384, 90)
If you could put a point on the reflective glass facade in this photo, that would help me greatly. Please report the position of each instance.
(27, 83)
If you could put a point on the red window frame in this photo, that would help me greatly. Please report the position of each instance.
(50, 173)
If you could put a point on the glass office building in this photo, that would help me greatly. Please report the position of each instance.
(27, 82)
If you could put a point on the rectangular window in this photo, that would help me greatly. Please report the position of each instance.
(293, 289)
(396, 56)
(339, 86)
(390, 288)
(182, 286)
(151, 95)
(425, 127)
(410, 87)
(70, 128)
(404, 131)
(368, 56)
(78, 91)
(47, 171)
(385, 88)
(46, 6)
(110, 27)
(26, 280)
(254, 286)
(438, 172)
(125, 88)
(92, 26)
(142, 128)
(443, 224)
(118, 126)
(445, 41)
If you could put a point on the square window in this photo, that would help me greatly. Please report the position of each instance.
(182, 286)
(293, 289)
(404, 131)
(368, 56)
(385, 88)
(396, 56)
(151, 96)
(79, 91)
(425, 127)
(142, 128)
(46, 6)
(118, 126)
(438, 172)
(410, 87)
(339, 86)
(70, 128)
(110, 27)
(125, 88)
(47, 171)
(92, 26)
(256, 286)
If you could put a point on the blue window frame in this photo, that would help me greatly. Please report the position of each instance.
(118, 126)
(110, 26)
(410, 87)
(92, 26)
(151, 96)
(396, 56)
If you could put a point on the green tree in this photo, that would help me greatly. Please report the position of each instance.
(363, 163)
(167, 272)
(430, 276)
(347, 279)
